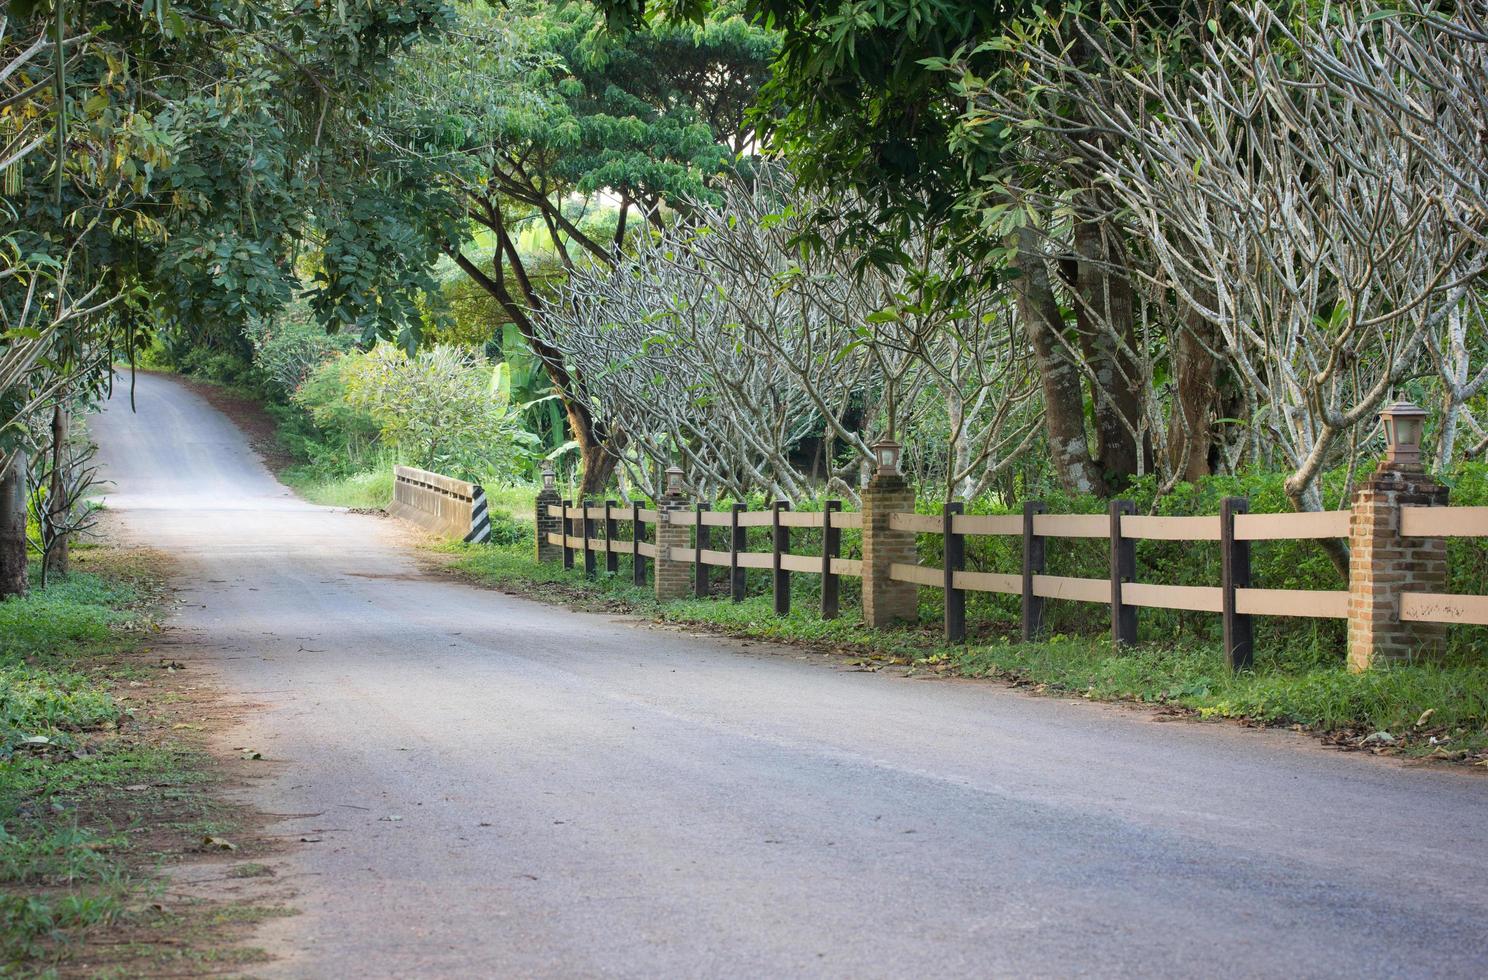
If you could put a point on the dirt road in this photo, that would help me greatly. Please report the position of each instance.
(502, 788)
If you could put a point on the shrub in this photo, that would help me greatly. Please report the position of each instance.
(290, 349)
(438, 409)
(223, 367)
(340, 437)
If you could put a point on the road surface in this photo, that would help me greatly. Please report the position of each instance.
(508, 789)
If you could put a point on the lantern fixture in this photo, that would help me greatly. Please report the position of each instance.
(674, 481)
(1403, 424)
(548, 477)
(886, 452)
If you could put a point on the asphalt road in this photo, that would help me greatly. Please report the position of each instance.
(508, 789)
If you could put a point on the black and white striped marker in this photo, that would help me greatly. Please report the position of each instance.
(480, 520)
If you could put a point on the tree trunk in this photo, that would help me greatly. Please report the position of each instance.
(59, 544)
(1064, 407)
(13, 570)
(1191, 426)
(1305, 496)
(597, 458)
(1454, 378)
(1105, 316)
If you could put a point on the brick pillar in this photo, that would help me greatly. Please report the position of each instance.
(673, 578)
(1382, 565)
(547, 524)
(884, 600)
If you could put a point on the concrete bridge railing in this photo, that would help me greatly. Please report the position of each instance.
(440, 503)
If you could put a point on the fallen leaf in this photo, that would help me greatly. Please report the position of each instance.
(1425, 717)
(218, 844)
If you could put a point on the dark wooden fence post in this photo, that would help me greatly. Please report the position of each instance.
(954, 553)
(638, 564)
(1033, 564)
(699, 542)
(587, 525)
(1123, 569)
(831, 548)
(738, 541)
(1234, 570)
(612, 531)
(780, 541)
(566, 526)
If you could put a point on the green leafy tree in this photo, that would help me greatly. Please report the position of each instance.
(164, 166)
(537, 119)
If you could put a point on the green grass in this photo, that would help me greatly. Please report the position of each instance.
(519, 501)
(62, 765)
(1290, 685)
(368, 489)
(80, 610)
(37, 703)
(1281, 690)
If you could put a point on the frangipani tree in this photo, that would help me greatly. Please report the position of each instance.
(729, 346)
(1308, 215)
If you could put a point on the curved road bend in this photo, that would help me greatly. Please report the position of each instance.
(581, 797)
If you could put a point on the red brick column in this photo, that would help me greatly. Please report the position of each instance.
(885, 601)
(673, 578)
(545, 524)
(1382, 565)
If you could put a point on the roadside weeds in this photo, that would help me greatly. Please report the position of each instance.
(118, 848)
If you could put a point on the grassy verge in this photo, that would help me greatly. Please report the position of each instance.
(1438, 711)
(100, 784)
(366, 490)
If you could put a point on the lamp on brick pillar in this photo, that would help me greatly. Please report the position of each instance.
(544, 522)
(673, 579)
(1383, 563)
(1403, 422)
(886, 454)
(886, 601)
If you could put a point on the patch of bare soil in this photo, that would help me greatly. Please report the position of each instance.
(206, 869)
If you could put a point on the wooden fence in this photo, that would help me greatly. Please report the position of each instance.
(593, 530)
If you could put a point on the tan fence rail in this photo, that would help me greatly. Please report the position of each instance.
(593, 530)
(717, 540)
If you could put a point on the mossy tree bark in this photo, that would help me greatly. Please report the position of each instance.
(13, 564)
